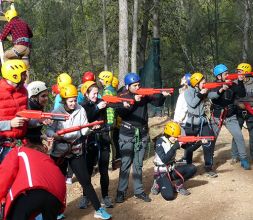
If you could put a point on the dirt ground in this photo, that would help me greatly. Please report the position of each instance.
(229, 196)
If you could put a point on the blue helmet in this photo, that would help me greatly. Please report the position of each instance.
(187, 77)
(219, 69)
(131, 78)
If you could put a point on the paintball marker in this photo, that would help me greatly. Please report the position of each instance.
(248, 107)
(34, 114)
(77, 128)
(116, 99)
(214, 85)
(152, 91)
(192, 139)
(234, 76)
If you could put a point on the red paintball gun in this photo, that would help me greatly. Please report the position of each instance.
(152, 91)
(192, 139)
(116, 99)
(234, 76)
(213, 85)
(77, 128)
(248, 107)
(34, 114)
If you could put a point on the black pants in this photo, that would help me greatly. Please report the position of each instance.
(208, 149)
(102, 156)
(35, 201)
(115, 140)
(79, 168)
(166, 186)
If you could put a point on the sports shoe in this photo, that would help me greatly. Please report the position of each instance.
(84, 202)
(211, 174)
(245, 164)
(102, 214)
(120, 197)
(155, 188)
(69, 181)
(143, 196)
(183, 191)
(61, 216)
(106, 201)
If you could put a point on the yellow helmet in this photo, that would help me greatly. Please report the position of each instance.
(106, 76)
(12, 13)
(68, 91)
(245, 67)
(12, 70)
(64, 79)
(115, 82)
(86, 86)
(172, 129)
(196, 78)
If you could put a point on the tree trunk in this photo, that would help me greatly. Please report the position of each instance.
(105, 37)
(134, 38)
(144, 32)
(246, 30)
(156, 22)
(123, 41)
(216, 21)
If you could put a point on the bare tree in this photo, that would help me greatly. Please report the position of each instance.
(123, 40)
(105, 36)
(156, 22)
(134, 38)
(247, 4)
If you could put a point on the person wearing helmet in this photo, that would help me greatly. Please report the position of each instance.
(133, 136)
(196, 122)
(13, 99)
(181, 105)
(21, 35)
(98, 144)
(68, 149)
(165, 171)
(38, 99)
(55, 90)
(62, 80)
(224, 112)
(243, 116)
(115, 83)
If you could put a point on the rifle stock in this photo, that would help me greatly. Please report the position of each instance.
(77, 128)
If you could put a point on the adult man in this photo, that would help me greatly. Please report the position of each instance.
(13, 99)
(21, 37)
(133, 137)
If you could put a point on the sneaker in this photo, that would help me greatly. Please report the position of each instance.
(143, 196)
(84, 202)
(155, 188)
(211, 174)
(61, 216)
(183, 191)
(245, 164)
(102, 214)
(69, 181)
(120, 197)
(106, 201)
(234, 161)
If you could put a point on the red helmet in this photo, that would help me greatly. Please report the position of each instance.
(88, 76)
(55, 89)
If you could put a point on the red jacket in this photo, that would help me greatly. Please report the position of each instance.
(24, 169)
(12, 100)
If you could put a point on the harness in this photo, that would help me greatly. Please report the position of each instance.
(22, 39)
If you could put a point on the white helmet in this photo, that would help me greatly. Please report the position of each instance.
(35, 87)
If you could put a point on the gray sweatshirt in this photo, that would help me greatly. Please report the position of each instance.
(195, 104)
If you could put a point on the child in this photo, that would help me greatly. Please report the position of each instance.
(165, 170)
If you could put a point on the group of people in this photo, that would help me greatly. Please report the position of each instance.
(36, 158)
